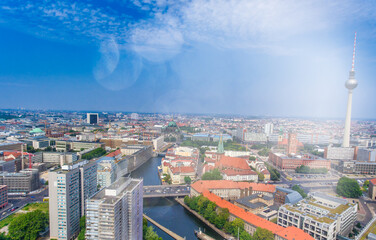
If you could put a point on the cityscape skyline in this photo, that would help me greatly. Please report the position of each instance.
(252, 66)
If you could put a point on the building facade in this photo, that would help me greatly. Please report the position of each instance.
(25, 181)
(284, 162)
(69, 187)
(3, 196)
(92, 118)
(116, 211)
(321, 216)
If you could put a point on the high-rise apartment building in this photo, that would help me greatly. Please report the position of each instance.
(69, 187)
(268, 129)
(92, 118)
(106, 171)
(115, 212)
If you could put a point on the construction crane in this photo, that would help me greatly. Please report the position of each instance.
(22, 154)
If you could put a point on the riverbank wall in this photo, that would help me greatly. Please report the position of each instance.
(220, 232)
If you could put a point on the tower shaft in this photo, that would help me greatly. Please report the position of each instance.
(346, 136)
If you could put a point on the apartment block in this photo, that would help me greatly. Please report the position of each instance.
(115, 212)
(69, 187)
(64, 203)
(321, 216)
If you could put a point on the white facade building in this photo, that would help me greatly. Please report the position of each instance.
(321, 216)
(116, 211)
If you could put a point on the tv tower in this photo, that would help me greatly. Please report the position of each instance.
(351, 84)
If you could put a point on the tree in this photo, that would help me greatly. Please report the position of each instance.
(28, 225)
(245, 236)
(252, 158)
(263, 234)
(261, 177)
(98, 152)
(212, 175)
(151, 235)
(348, 187)
(187, 180)
(237, 225)
(366, 184)
(299, 190)
(167, 178)
(264, 152)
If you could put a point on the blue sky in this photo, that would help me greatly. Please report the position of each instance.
(252, 57)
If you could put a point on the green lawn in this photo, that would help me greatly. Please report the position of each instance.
(29, 208)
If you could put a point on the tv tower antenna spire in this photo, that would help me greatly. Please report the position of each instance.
(353, 59)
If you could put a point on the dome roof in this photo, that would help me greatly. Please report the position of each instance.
(37, 130)
(172, 124)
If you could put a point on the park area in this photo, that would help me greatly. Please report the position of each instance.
(26, 223)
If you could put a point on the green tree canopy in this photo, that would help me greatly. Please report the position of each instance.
(252, 158)
(28, 225)
(348, 187)
(263, 234)
(299, 190)
(212, 175)
(187, 180)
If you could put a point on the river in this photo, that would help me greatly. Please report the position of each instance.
(166, 211)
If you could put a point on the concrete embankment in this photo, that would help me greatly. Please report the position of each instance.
(220, 232)
(203, 236)
(166, 230)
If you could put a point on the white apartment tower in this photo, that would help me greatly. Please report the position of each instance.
(268, 129)
(115, 212)
(69, 187)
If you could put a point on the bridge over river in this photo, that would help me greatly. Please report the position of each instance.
(166, 191)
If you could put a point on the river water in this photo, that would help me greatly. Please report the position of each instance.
(166, 211)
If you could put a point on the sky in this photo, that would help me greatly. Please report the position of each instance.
(286, 58)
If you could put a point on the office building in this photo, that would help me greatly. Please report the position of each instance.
(3, 196)
(24, 181)
(321, 216)
(59, 158)
(268, 129)
(283, 162)
(366, 155)
(115, 212)
(64, 146)
(340, 153)
(255, 137)
(69, 187)
(92, 118)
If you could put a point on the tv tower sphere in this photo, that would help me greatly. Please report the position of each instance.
(351, 83)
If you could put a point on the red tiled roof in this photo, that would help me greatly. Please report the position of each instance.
(203, 185)
(175, 170)
(290, 233)
(114, 154)
(233, 162)
(373, 181)
(230, 172)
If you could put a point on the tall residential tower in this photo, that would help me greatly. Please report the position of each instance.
(351, 84)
